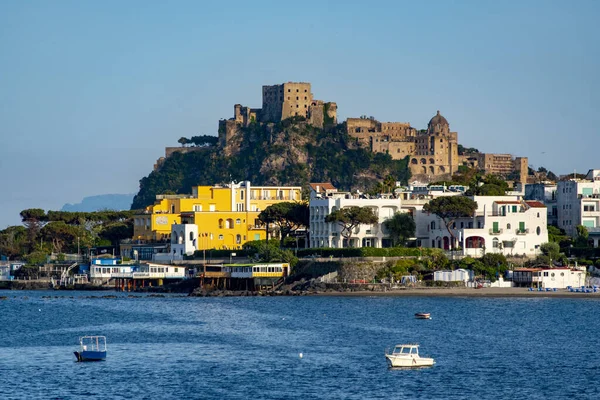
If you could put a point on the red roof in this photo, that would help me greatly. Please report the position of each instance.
(322, 186)
(508, 202)
(536, 204)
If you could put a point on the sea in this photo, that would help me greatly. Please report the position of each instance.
(310, 347)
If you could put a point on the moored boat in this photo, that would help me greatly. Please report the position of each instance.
(92, 348)
(407, 356)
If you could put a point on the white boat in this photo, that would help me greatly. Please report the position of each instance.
(407, 356)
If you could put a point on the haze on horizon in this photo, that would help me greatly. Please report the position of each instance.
(92, 92)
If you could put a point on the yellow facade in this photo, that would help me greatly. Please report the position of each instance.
(226, 216)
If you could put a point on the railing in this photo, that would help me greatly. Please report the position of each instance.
(522, 231)
(496, 231)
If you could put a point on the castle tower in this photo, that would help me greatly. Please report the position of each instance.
(436, 151)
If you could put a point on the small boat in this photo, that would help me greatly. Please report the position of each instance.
(407, 356)
(93, 348)
(423, 315)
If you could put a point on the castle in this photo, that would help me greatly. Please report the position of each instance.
(280, 102)
(433, 153)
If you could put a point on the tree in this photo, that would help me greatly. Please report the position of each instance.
(582, 236)
(204, 140)
(288, 216)
(400, 226)
(551, 250)
(183, 141)
(13, 241)
(59, 233)
(33, 219)
(449, 208)
(350, 217)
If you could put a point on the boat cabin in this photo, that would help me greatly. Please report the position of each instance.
(406, 349)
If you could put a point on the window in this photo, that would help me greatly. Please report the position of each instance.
(220, 237)
(212, 207)
(238, 221)
(241, 195)
(538, 231)
(545, 273)
(197, 207)
(172, 208)
(507, 226)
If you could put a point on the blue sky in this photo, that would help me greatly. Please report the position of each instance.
(92, 92)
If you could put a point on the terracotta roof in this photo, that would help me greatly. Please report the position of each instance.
(536, 204)
(508, 202)
(321, 186)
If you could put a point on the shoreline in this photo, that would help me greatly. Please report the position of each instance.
(461, 292)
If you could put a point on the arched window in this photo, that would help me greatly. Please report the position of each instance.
(414, 161)
(423, 161)
(220, 223)
(191, 236)
(238, 239)
(238, 221)
(507, 226)
(495, 243)
(431, 161)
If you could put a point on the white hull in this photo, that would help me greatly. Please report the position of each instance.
(409, 361)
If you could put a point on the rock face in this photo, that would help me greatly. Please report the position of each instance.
(291, 152)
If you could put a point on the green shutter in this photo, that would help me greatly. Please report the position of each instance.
(257, 236)
(495, 229)
(514, 209)
(521, 226)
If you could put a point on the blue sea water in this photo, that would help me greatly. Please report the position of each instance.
(248, 348)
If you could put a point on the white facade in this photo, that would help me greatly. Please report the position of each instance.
(501, 224)
(551, 278)
(324, 234)
(108, 271)
(546, 193)
(578, 203)
(5, 272)
(457, 275)
(184, 240)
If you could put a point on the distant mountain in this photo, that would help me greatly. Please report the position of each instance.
(116, 202)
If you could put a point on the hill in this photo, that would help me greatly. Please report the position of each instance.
(291, 152)
(116, 202)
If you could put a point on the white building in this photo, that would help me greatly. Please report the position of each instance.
(324, 199)
(559, 278)
(457, 275)
(546, 193)
(184, 240)
(501, 224)
(578, 203)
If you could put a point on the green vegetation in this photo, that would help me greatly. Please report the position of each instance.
(350, 217)
(287, 216)
(63, 232)
(401, 226)
(290, 152)
(450, 208)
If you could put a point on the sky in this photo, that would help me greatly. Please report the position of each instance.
(92, 92)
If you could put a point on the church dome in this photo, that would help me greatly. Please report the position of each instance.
(438, 119)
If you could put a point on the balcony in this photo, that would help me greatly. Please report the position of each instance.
(496, 231)
(522, 231)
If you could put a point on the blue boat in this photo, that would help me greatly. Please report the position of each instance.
(93, 348)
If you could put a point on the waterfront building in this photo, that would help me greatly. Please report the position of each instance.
(578, 203)
(225, 216)
(501, 224)
(548, 277)
(325, 198)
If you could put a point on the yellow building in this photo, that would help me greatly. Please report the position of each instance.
(226, 216)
